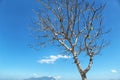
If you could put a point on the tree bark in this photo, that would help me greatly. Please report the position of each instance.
(81, 72)
(76, 61)
(84, 77)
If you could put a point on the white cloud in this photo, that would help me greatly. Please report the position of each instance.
(57, 77)
(52, 59)
(36, 75)
(114, 71)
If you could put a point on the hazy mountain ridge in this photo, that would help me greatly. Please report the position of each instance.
(41, 78)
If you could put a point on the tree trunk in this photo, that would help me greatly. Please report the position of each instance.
(81, 71)
(83, 76)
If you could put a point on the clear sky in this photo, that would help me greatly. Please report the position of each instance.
(18, 61)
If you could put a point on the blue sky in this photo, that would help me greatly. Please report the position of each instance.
(18, 61)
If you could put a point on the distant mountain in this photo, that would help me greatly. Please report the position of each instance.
(41, 78)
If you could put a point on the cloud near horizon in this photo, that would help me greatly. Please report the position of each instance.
(114, 71)
(57, 77)
(51, 59)
(41, 78)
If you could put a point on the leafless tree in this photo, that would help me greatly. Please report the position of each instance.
(75, 25)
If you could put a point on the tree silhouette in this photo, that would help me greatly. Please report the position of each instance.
(75, 25)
